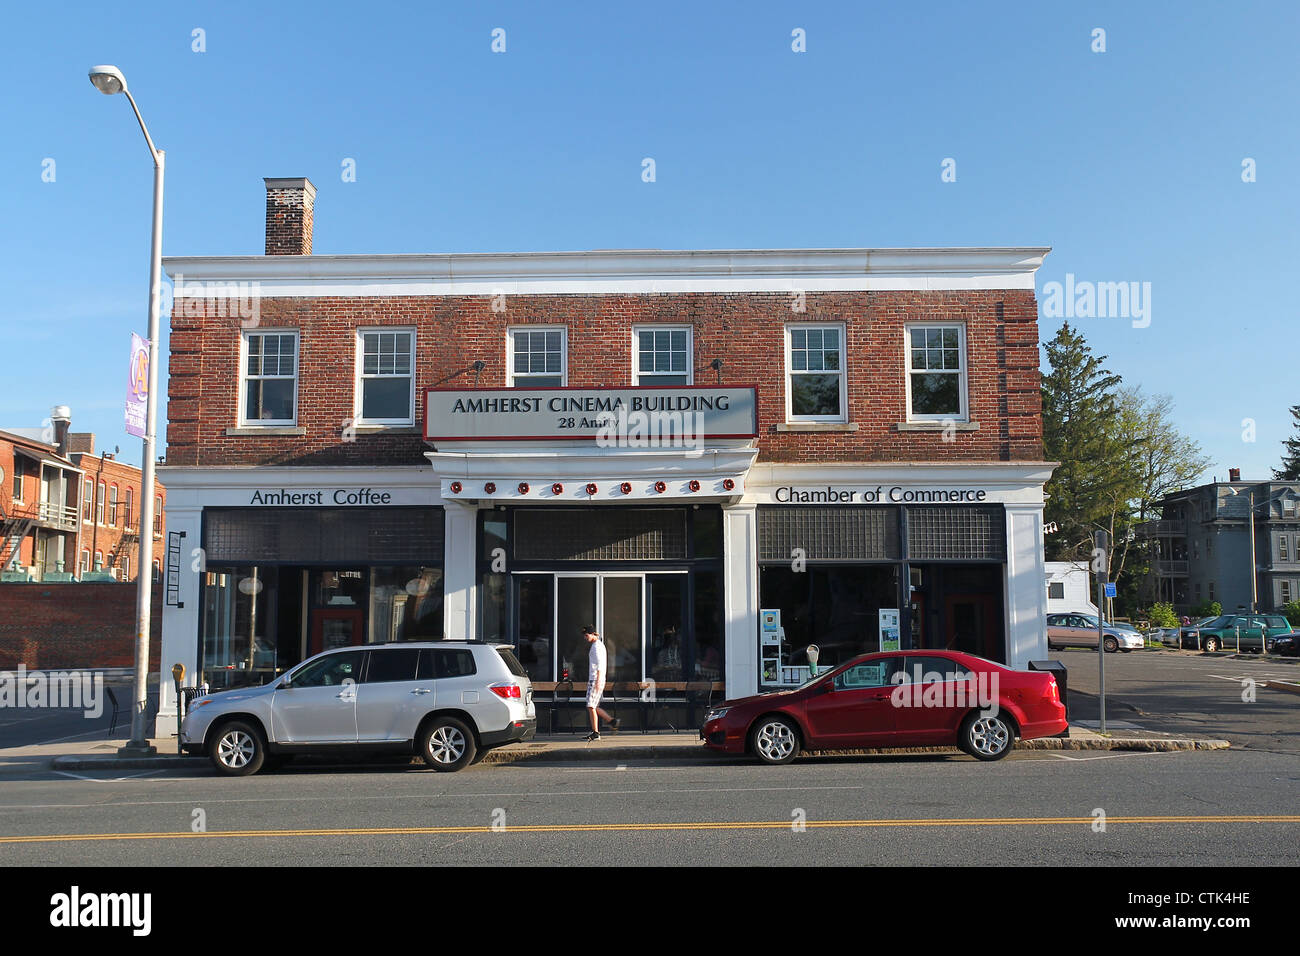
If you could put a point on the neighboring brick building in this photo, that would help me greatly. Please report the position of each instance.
(66, 513)
(389, 446)
(110, 512)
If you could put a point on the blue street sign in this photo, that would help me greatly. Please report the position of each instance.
(1110, 590)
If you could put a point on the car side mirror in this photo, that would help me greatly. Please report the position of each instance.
(827, 687)
(283, 685)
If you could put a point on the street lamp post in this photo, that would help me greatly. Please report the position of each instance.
(109, 80)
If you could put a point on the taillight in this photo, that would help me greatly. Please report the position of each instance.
(507, 691)
(1056, 691)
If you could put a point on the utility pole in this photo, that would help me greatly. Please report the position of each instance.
(1100, 566)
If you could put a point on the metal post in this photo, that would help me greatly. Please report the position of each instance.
(1253, 594)
(1100, 551)
(139, 743)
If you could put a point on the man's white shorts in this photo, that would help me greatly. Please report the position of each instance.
(593, 693)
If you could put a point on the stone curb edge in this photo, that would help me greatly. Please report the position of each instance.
(562, 753)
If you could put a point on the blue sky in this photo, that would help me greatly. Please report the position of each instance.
(1128, 162)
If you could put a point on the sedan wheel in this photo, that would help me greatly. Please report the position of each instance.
(1111, 645)
(237, 750)
(447, 745)
(775, 741)
(986, 738)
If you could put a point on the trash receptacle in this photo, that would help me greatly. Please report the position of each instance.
(1057, 670)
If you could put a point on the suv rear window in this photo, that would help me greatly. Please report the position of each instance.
(439, 664)
(512, 662)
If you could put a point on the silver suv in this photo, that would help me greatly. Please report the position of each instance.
(447, 701)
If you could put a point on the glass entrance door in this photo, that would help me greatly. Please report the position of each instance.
(612, 604)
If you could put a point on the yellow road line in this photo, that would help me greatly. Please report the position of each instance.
(643, 827)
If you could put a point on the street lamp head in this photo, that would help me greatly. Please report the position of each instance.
(108, 79)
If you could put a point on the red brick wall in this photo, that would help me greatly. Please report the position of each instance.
(73, 625)
(745, 330)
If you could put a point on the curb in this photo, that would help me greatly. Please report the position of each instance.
(1285, 686)
(509, 755)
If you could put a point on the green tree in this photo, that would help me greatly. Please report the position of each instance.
(1290, 470)
(1080, 412)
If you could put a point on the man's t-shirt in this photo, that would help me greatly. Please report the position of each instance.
(596, 661)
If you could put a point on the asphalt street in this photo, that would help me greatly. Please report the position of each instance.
(1188, 808)
(1188, 693)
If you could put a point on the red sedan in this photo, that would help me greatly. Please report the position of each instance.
(919, 698)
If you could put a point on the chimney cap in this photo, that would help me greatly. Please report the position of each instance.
(300, 182)
(61, 413)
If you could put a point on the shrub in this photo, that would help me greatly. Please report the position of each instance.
(1207, 609)
(1162, 615)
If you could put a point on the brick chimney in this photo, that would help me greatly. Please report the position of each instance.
(289, 209)
(1234, 474)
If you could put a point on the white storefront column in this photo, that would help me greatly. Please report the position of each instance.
(740, 586)
(180, 622)
(1026, 585)
(459, 579)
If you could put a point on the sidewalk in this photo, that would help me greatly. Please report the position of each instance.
(557, 748)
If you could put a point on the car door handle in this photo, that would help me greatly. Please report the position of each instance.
(422, 690)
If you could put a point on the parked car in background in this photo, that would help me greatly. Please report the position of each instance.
(1247, 632)
(1080, 630)
(1284, 645)
(893, 699)
(1189, 637)
(446, 701)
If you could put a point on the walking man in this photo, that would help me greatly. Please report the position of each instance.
(596, 671)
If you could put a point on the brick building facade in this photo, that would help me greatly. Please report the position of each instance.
(66, 513)
(380, 447)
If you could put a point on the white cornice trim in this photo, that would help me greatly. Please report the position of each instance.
(610, 271)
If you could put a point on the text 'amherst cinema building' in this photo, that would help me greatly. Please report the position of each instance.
(718, 458)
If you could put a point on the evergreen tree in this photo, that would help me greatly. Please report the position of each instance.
(1290, 470)
(1081, 431)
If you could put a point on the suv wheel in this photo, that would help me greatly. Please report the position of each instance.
(1111, 645)
(237, 749)
(774, 740)
(447, 745)
(986, 738)
(1211, 645)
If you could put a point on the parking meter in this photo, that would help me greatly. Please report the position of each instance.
(814, 652)
(178, 675)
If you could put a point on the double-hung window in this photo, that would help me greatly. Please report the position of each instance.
(661, 355)
(386, 382)
(270, 393)
(112, 506)
(536, 356)
(936, 372)
(815, 384)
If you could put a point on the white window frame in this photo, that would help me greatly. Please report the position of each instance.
(360, 376)
(962, 372)
(101, 495)
(843, 371)
(510, 353)
(648, 378)
(1283, 550)
(245, 422)
(1286, 591)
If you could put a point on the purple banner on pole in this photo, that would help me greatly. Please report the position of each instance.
(137, 386)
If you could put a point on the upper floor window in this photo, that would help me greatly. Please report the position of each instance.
(536, 356)
(126, 519)
(1288, 507)
(88, 500)
(661, 355)
(99, 505)
(1281, 548)
(386, 383)
(112, 505)
(815, 387)
(936, 372)
(157, 515)
(1286, 591)
(19, 469)
(270, 378)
